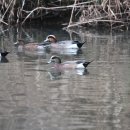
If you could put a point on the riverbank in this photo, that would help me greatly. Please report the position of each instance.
(113, 14)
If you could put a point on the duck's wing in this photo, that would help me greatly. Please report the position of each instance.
(70, 62)
(71, 44)
(75, 61)
(68, 44)
(4, 60)
(45, 44)
(65, 42)
(80, 61)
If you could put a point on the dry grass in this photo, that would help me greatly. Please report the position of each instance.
(113, 13)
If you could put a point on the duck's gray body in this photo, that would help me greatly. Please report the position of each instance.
(69, 44)
(76, 64)
(63, 44)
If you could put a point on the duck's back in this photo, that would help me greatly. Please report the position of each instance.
(67, 44)
(70, 44)
(74, 64)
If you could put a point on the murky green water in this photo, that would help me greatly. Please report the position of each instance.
(35, 97)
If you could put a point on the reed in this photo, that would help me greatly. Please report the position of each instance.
(111, 13)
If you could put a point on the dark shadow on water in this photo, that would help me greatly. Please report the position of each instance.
(4, 60)
(79, 52)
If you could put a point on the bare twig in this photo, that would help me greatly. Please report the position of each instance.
(72, 12)
(6, 10)
(54, 8)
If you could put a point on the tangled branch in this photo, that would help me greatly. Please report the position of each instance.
(93, 12)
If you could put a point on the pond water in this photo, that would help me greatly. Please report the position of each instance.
(35, 97)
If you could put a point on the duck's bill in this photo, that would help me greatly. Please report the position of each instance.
(16, 43)
(46, 40)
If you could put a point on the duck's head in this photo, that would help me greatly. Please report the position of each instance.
(51, 38)
(55, 60)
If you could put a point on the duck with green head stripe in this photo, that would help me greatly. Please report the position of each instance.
(76, 64)
(50, 41)
(63, 44)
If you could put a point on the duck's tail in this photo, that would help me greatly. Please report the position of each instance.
(4, 54)
(85, 64)
(80, 44)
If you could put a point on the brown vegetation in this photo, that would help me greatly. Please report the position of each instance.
(112, 13)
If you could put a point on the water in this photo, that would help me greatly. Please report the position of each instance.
(35, 97)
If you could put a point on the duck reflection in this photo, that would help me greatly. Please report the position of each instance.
(68, 51)
(4, 60)
(82, 71)
(56, 73)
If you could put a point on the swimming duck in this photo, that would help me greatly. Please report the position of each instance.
(62, 44)
(49, 42)
(30, 46)
(78, 64)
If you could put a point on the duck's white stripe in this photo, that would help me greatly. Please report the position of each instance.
(67, 44)
(80, 66)
(40, 48)
(71, 46)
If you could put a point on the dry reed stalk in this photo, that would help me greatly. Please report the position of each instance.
(91, 12)
(110, 11)
(53, 8)
(72, 12)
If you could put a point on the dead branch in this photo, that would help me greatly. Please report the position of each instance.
(54, 8)
(82, 13)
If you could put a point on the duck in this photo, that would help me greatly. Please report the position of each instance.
(68, 44)
(76, 64)
(49, 42)
(22, 45)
